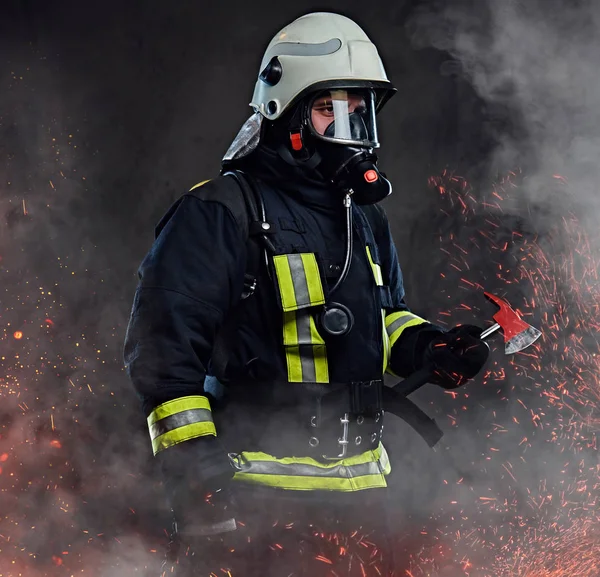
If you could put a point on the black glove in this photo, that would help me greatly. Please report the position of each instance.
(197, 476)
(456, 356)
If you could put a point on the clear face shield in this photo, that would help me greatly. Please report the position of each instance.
(344, 116)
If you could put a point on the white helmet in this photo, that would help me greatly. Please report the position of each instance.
(315, 52)
(320, 50)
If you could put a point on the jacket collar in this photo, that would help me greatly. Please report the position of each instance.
(304, 185)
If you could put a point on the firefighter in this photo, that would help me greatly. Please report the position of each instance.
(267, 312)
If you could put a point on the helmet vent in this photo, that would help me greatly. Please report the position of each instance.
(272, 107)
(272, 73)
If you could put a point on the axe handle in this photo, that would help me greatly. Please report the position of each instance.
(485, 334)
(421, 377)
(414, 381)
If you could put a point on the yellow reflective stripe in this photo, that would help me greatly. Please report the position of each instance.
(294, 364)
(315, 337)
(375, 268)
(179, 420)
(299, 483)
(176, 406)
(293, 335)
(321, 366)
(305, 351)
(313, 279)
(286, 283)
(299, 281)
(184, 433)
(369, 456)
(396, 323)
(199, 184)
(305, 473)
(290, 330)
(386, 343)
(307, 364)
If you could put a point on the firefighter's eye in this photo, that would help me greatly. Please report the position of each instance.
(323, 107)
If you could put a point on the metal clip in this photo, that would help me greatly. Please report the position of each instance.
(236, 460)
(344, 440)
(249, 288)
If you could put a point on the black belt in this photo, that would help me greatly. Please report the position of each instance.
(332, 420)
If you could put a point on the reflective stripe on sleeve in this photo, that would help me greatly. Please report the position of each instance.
(387, 347)
(180, 420)
(365, 471)
(397, 322)
(377, 276)
(299, 281)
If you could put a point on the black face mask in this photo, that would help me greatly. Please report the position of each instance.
(352, 167)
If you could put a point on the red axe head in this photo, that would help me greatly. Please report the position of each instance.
(518, 335)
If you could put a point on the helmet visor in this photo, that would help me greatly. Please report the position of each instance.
(346, 116)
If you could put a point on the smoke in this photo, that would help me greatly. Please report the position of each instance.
(538, 61)
(73, 459)
(535, 66)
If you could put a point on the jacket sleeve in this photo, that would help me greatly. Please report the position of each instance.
(409, 334)
(192, 275)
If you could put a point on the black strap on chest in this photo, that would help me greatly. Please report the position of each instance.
(257, 241)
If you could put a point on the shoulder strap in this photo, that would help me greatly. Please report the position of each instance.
(225, 192)
(244, 203)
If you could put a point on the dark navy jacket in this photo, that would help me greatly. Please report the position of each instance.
(193, 276)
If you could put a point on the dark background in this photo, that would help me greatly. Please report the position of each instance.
(108, 112)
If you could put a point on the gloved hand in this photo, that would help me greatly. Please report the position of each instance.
(197, 476)
(456, 356)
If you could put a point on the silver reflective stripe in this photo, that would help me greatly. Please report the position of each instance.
(392, 328)
(307, 360)
(303, 328)
(305, 348)
(299, 280)
(301, 470)
(304, 470)
(304, 48)
(384, 461)
(179, 420)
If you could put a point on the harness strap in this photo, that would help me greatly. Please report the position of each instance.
(399, 405)
(228, 333)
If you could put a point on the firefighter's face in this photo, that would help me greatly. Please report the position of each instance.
(325, 108)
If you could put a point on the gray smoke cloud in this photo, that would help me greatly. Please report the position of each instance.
(540, 61)
(73, 457)
(535, 66)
